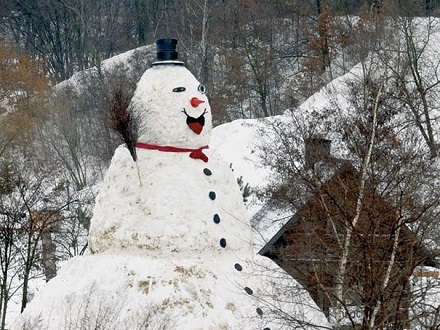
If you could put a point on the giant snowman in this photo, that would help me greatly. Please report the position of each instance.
(170, 245)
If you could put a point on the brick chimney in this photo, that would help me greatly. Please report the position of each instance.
(317, 150)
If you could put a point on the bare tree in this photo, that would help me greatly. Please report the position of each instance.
(361, 222)
(24, 179)
(416, 71)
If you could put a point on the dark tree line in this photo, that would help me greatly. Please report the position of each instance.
(73, 35)
(258, 57)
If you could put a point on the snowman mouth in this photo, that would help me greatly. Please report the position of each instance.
(195, 124)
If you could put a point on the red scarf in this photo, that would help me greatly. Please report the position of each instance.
(194, 153)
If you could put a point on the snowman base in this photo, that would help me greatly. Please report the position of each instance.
(134, 292)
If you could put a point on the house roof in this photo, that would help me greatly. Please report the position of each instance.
(268, 221)
(347, 172)
(277, 239)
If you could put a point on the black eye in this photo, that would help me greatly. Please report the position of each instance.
(179, 89)
(202, 89)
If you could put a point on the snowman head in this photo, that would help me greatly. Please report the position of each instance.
(170, 106)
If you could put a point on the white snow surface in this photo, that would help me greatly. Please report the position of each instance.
(159, 258)
(166, 208)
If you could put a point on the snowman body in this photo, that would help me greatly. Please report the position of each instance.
(184, 207)
(165, 253)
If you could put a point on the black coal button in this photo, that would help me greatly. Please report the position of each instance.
(223, 243)
(248, 290)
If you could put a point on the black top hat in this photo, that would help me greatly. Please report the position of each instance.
(166, 49)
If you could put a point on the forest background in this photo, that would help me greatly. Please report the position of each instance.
(257, 57)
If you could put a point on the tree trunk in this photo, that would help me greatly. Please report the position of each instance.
(24, 296)
(342, 269)
(48, 255)
(4, 299)
(387, 277)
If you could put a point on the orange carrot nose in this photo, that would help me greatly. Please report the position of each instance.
(195, 102)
